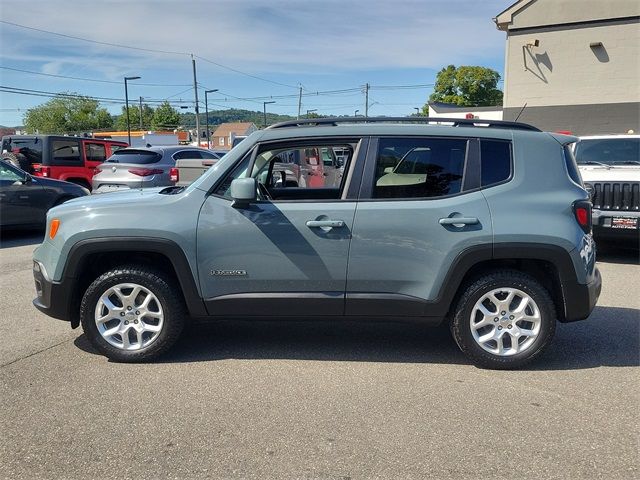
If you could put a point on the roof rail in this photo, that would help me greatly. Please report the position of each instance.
(455, 122)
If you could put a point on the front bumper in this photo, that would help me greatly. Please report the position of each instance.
(603, 223)
(52, 298)
(580, 299)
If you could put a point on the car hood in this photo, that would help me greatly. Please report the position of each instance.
(614, 174)
(50, 182)
(127, 197)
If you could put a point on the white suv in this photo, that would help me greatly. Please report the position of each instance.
(610, 169)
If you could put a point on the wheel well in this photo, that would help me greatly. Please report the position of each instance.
(95, 264)
(543, 271)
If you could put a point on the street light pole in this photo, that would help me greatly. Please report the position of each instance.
(126, 102)
(140, 113)
(264, 113)
(355, 114)
(311, 111)
(417, 111)
(206, 113)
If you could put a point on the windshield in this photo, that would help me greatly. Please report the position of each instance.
(139, 157)
(608, 151)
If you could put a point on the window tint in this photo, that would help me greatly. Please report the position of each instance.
(66, 152)
(419, 167)
(29, 147)
(495, 158)
(612, 151)
(139, 157)
(190, 154)
(209, 156)
(95, 152)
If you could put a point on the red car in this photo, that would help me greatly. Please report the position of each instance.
(73, 159)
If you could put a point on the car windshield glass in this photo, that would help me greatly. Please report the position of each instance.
(608, 151)
(140, 157)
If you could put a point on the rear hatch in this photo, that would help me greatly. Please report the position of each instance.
(131, 168)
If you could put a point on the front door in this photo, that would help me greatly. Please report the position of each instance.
(284, 255)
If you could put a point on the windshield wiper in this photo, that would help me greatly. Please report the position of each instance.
(593, 162)
(627, 162)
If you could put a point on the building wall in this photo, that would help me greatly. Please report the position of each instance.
(565, 70)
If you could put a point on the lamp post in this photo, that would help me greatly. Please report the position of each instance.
(264, 112)
(126, 101)
(355, 114)
(311, 111)
(417, 111)
(206, 114)
(140, 113)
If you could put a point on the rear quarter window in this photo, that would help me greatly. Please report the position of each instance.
(66, 152)
(139, 157)
(495, 161)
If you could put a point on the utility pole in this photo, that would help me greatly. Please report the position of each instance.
(299, 103)
(140, 113)
(264, 112)
(195, 89)
(366, 100)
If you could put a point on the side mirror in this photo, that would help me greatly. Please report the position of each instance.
(388, 170)
(244, 191)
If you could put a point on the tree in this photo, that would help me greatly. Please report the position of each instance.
(467, 86)
(67, 114)
(165, 117)
(134, 118)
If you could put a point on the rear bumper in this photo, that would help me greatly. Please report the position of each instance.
(580, 299)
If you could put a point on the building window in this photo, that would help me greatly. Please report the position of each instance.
(221, 141)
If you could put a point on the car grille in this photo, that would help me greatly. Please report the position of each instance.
(623, 196)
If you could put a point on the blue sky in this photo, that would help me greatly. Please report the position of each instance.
(323, 45)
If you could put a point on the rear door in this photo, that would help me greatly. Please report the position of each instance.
(66, 159)
(419, 208)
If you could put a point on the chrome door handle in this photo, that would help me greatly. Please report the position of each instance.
(459, 221)
(325, 223)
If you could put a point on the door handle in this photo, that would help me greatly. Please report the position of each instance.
(459, 221)
(325, 223)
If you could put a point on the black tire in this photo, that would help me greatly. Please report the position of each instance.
(167, 294)
(461, 321)
(17, 160)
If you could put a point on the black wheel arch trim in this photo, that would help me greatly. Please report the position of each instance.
(168, 248)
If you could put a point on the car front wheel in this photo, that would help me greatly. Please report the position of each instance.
(132, 314)
(504, 320)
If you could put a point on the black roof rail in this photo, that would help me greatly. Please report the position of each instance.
(455, 122)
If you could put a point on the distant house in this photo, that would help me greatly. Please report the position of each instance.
(222, 137)
(439, 109)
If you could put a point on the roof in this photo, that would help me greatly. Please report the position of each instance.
(505, 17)
(237, 128)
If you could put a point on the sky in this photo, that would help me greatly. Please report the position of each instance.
(251, 51)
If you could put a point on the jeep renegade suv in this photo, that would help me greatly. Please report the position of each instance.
(74, 159)
(486, 227)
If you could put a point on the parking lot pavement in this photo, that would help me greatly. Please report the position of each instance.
(318, 400)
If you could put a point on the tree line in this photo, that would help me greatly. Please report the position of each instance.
(470, 86)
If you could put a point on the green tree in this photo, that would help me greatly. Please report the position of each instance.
(134, 118)
(165, 117)
(66, 114)
(467, 86)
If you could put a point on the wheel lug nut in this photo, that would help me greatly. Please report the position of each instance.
(499, 328)
(136, 322)
(122, 314)
(511, 317)
(126, 322)
(503, 313)
(137, 312)
(509, 326)
(495, 319)
(128, 308)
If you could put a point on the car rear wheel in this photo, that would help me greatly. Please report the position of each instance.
(504, 320)
(132, 314)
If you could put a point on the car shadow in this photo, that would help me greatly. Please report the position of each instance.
(581, 345)
(20, 238)
(624, 253)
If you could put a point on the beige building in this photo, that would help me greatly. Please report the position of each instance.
(575, 64)
(222, 137)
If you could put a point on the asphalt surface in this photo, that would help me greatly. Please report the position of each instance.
(317, 400)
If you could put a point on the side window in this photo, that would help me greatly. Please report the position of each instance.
(240, 171)
(95, 152)
(66, 152)
(191, 154)
(209, 156)
(495, 158)
(8, 175)
(419, 167)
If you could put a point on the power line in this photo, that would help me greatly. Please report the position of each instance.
(91, 79)
(150, 50)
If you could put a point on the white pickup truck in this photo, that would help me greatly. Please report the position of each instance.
(191, 168)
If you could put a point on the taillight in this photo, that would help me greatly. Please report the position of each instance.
(145, 172)
(582, 212)
(174, 174)
(45, 171)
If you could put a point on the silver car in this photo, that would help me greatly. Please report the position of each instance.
(144, 167)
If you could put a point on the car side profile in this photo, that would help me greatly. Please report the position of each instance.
(492, 237)
(25, 199)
